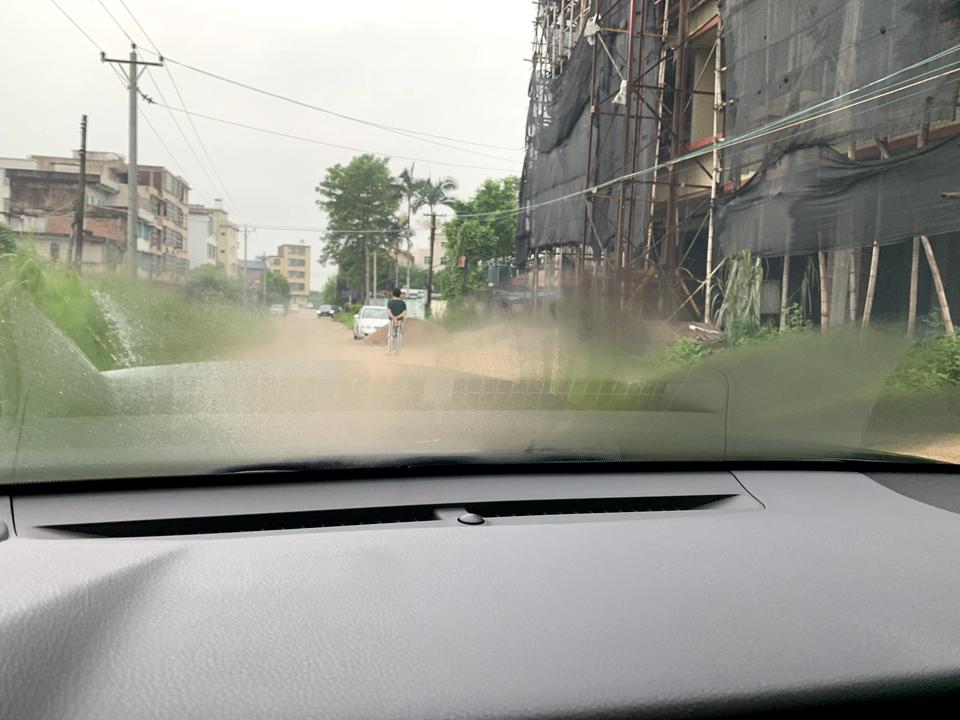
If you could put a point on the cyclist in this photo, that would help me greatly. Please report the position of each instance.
(396, 312)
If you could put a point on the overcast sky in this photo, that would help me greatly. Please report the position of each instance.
(449, 67)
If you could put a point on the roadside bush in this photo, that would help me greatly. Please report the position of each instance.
(930, 365)
(64, 298)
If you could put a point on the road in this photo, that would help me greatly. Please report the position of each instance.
(301, 336)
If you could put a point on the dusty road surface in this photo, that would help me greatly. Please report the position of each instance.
(504, 352)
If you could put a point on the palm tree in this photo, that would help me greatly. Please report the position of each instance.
(409, 187)
(434, 194)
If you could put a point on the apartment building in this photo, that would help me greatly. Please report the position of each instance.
(39, 195)
(293, 262)
(213, 239)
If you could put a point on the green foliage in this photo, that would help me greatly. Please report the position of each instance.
(361, 195)
(278, 289)
(684, 352)
(212, 284)
(7, 243)
(170, 326)
(330, 294)
(932, 364)
(459, 314)
(739, 286)
(64, 298)
(796, 318)
(493, 196)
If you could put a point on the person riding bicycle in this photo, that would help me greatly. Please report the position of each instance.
(396, 312)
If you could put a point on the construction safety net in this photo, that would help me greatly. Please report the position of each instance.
(578, 138)
(811, 82)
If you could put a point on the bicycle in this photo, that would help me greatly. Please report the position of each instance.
(395, 337)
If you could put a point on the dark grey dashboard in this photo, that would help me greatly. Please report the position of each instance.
(605, 595)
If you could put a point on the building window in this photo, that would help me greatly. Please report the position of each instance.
(296, 263)
(54, 251)
(172, 238)
(426, 261)
(211, 252)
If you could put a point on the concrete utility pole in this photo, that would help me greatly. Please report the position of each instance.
(82, 199)
(246, 274)
(433, 236)
(134, 67)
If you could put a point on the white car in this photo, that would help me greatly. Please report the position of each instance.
(278, 310)
(370, 319)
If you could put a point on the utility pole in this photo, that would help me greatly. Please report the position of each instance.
(134, 68)
(82, 199)
(433, 237)
(246, 275)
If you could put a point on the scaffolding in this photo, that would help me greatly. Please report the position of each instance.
(633, 245)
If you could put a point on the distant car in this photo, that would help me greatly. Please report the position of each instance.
(370, 319)
(326, 311)
(277, 310)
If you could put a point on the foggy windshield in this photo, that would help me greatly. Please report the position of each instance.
(665, 232)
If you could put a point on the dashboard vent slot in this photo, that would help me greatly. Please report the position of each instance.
(316, 519)
(523, 508)
(161, 527)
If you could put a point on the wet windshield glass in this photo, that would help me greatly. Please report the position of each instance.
(636, 230)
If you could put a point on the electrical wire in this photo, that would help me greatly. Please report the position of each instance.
(222, 185)
(762, 131)
(329, 231)
(412, 134)
(74, 23)
(116, 22)
(180, 129)
(314, 141)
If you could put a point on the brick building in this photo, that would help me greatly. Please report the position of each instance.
(38, 201)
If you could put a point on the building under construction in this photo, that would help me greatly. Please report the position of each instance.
(666, 137)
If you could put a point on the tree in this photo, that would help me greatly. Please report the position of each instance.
(278, 289)
(212, 283)
(361, 200)
(434, 194)
(480, 240)
(409, 187)
(330, 294)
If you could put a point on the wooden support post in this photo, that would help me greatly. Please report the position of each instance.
(854, 274)
(784, 292)
(938, 285)
(914, 282)
(874, 253)
(823, 262)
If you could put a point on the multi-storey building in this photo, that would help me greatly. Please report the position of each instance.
(213, 238)
(40, 194)
(293, 262)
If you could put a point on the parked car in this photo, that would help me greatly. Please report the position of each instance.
(278, 310)
(370, 319)
(326, 311)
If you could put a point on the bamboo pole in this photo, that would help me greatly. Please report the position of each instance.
(938, 285)
(824, 293)
(784, 292)
(874, 256)
(914, 282)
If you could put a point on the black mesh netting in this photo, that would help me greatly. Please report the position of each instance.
(864, 68)
(558, 152)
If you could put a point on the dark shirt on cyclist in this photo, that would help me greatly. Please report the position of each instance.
(396, 309)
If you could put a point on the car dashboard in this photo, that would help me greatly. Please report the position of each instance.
(525, 593)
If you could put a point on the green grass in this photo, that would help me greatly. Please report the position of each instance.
(171, 327)
(165, 324)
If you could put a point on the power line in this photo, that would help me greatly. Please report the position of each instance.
(314, 141)
(329, 231)
(116, 22)
(176, 88)
(412, 134)
(177, 165)
(777, 126)
(74, 23)
(137, 22)
(180, 129)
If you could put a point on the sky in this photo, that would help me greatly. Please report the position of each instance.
(453, 68)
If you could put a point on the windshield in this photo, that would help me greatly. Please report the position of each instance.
(657, 231)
